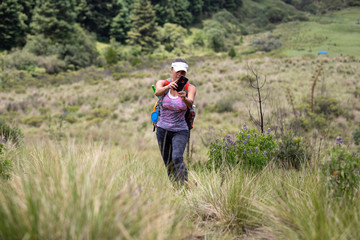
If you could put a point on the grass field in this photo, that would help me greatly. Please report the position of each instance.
(90, 167)
(332, 33)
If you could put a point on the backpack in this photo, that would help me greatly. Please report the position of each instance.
(189, 115)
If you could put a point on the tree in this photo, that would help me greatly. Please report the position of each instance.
(12, 24)
(55, 34)
(143, 26)
(196, 7)
(120, 25)
(173, 11)
(54, 19)
(179, 13)
(28, 10)
(353, 3)
(232, 5)
(97, 16)
(172, 36)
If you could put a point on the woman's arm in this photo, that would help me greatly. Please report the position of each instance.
(189, 99)
(161, 88)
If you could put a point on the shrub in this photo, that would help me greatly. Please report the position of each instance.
(34, 121)
(9, 133)
(356, 135)
(224, 105)
(328, 106)
(232, 53)
(12, 135)
(111, 56)
(52, 64)
(292, 152)
(342, 171)
(21, 60)
(215, 35)
(120, 75)
(135, 61)
(98, 113)
(5, 163)
(275, 15)
(70, 119)
(78, 52)
(198, 39)
(172, 36)
(249, 149)
(266, 45)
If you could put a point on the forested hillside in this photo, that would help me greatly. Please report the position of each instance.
(64, 33)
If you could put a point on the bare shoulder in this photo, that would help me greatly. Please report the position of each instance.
(160, 82)
(192, 87)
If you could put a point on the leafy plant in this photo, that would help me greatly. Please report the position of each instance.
(248, 149)
(9, 133)
(98, 113)
(342, 171)
(34, 121)
(292, 151)
(356, 135)
(232, 53)
(266, 45)
(5, 163)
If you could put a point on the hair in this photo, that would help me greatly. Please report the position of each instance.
(180, 60)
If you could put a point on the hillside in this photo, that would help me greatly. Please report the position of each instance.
(90, 167)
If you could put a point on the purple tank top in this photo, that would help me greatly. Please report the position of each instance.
(172, 114)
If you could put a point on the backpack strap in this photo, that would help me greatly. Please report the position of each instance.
(167, 81)
(161, 98)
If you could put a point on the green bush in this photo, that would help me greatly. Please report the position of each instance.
(275, 15)
(21, 60)
(266, 45)
(198, 39)
(111, 56)
(72, 109)
(52, 64)
(70, 119)
(98, 113)
(356, 135)
(292, 152)
(232, 53)
(325, 109)
(120, 75)
(328, 106)
(12, 135)
(5, 163)
(225, 104)
(342, 171)
(34, 121)
(249, 149)
(77, 52)
(8, 133)
(135, 61)
(172, 36)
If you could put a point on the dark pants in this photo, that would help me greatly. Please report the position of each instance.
(172, 146)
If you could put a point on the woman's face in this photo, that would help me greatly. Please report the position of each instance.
(176, 75)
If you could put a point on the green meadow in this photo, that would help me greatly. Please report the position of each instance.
(90, 168)
(332, 33)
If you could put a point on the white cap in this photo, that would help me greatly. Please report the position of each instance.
(179, 66)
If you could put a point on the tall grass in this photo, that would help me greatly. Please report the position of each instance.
(88, 192)
(95, 191)
(227, 198)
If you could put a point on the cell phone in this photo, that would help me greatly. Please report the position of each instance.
(181, 82)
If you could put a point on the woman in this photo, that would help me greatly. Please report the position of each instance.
(172, 130)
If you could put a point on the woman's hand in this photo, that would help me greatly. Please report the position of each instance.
(161, 88)
(182, 94)
(172, 85)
